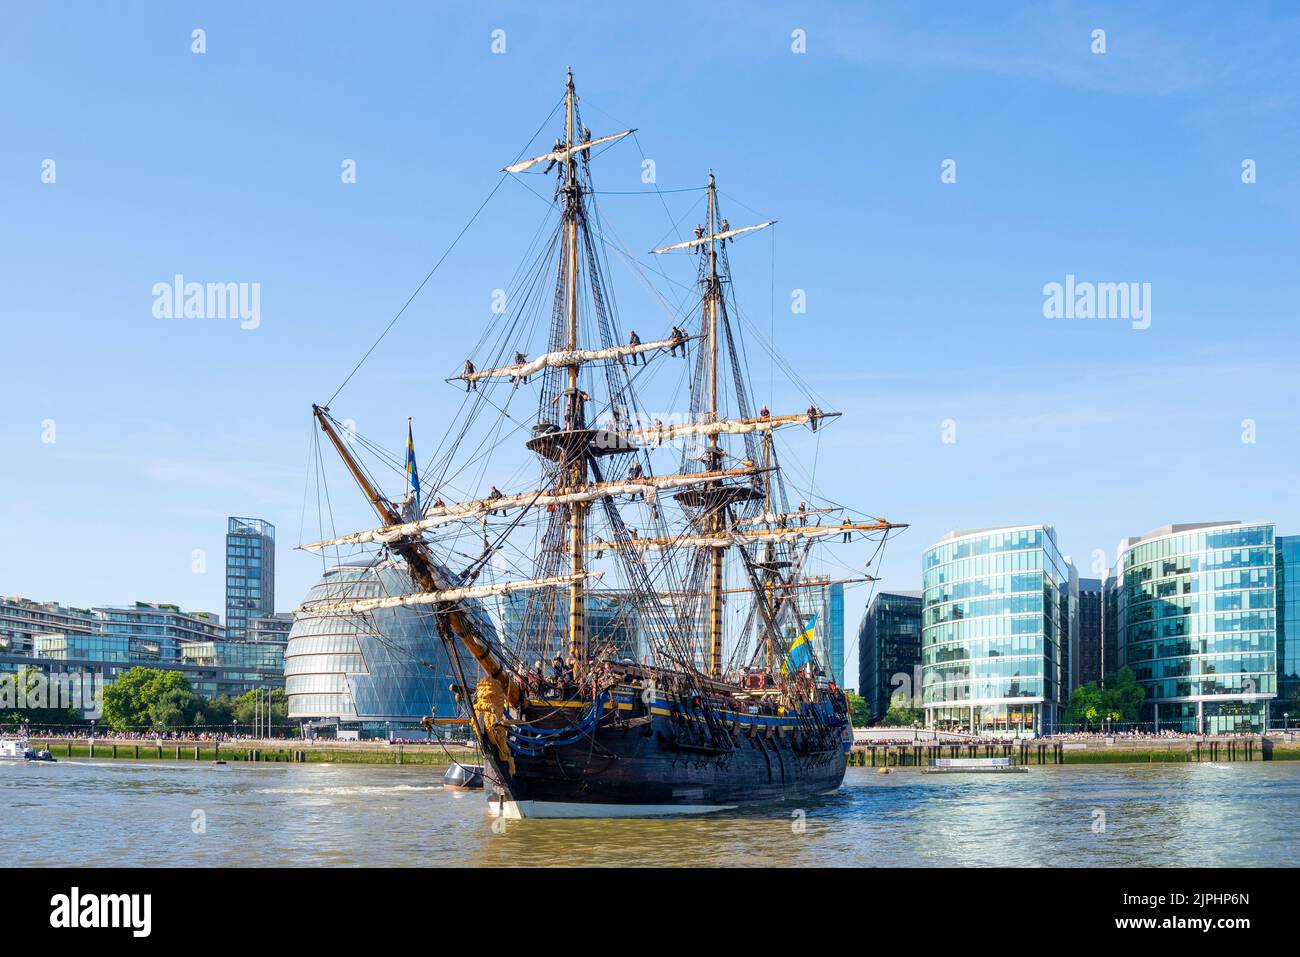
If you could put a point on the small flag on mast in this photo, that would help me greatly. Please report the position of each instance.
(412, 471)
(801, 649)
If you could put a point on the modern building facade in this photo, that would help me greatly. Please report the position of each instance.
(999, 631)
(212, 668)
(1111, 658)
(250, 574)
(1090, 641)
(110, 640)
(365, 672)
(22, 619)
(835, 631)
(1197, 610)
(156, 633)
(889, 646)
(1287, 549)
(271, 627)
(233, 667)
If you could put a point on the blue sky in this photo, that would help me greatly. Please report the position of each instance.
(924, 298)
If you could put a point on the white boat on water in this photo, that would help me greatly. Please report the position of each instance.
(14, 749)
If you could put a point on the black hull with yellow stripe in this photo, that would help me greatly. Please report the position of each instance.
(644, 753)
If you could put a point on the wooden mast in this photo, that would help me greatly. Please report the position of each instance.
(769, 574)
(575, 411)
(716, 523)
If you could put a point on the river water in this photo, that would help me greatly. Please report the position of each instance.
(121, 813)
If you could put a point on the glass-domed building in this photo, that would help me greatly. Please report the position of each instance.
(364, 672)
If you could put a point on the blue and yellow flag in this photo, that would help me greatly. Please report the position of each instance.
(802, 649)
(412, 471)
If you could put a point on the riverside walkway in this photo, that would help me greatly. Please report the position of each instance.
(1092, 750)
(273, 750)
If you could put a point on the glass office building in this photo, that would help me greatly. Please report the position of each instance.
(271, 627)
(1091, 650)
(222, 665)
(999, 630)
(250, 575)
(1197, 615)
(22, 619)
(1287, 548)
(211, 667)
(365, 671)
(889, 650)
(1111, 659)
(157, 632)
(835, 631)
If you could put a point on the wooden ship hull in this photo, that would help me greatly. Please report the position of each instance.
(653, 759)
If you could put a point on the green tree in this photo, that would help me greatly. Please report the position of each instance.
(858, 708)
(901, 714)
(1085, 706)
(1092, 706)
(245, 708)
(150, 698)
(1124, 695)
(216, 712)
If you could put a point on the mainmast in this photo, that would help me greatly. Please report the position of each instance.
(714, 459)
(574, 416)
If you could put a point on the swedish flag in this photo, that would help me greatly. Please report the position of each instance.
(801, 651)
(412, 471)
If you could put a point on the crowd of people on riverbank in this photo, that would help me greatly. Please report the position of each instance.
(196, 737)
(1136, 735)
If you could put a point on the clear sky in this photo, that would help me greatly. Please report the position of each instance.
(924, 298)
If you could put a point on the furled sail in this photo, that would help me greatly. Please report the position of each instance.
(656, 435)
(448, 594)
(646, 485)
(787, 518)
(567, 358)
(563, 153)
(703, 240)
(729, 539)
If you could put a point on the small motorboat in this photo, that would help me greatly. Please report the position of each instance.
(463, 777)
(14, 750)
(43, 754)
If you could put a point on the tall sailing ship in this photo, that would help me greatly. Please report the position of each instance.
(722, 697)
